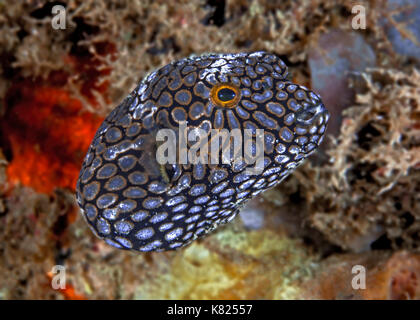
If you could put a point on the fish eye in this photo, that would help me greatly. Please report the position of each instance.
(225, 95)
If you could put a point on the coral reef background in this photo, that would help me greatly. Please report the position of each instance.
(357, 202)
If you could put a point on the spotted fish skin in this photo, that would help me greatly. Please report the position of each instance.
(133, 203)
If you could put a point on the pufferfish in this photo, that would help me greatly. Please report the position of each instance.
(133, 202)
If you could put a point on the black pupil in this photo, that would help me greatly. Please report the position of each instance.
(226, 94)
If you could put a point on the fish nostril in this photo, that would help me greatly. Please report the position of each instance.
(304, 116)
(316, 109)
(311, 112)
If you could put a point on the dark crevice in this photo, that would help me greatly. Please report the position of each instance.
(243, 43)
(408, 219)
(62, 255)
(22, 33)
(81, 32)
(382, 243)
(316, 240)
(5, 146)
(6, 61)
(45, 10)
(366, 136)
(217, 15)
(363, 171)
(343, 11)
(296, 197)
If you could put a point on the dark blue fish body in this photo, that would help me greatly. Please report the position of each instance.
(133, 202)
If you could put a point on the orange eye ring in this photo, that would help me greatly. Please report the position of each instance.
(225, 95)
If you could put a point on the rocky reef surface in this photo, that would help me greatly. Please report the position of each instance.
(353, 208)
